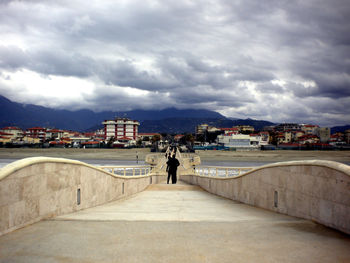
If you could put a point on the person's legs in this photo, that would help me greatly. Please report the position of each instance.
(169, 174)
(173, 178)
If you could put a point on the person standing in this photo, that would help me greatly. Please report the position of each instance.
(167, 169)
(172, 163)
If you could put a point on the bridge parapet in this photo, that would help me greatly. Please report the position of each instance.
(142, 170)
(316, 190)
(32, 189)
(220, 171)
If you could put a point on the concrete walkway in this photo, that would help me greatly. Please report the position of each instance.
(175, 223)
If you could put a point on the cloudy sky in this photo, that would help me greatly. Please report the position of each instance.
(277, 60)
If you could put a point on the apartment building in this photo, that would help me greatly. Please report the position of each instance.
(121, 129)
(36, 132)
(14, 133)
(309, 129)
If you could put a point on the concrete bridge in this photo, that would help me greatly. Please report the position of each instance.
(59, 210)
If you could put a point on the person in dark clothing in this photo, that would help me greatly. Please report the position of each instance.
(172, 163)
(168, 170)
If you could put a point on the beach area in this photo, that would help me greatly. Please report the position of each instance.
(206, 156)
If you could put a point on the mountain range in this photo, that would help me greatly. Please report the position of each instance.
(170, 120)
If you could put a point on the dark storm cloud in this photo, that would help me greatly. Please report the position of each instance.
(277, 60)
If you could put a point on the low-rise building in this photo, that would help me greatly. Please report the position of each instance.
(245, 128)
(233, 130)
(54, 134)
(36, 132)
(201, 128)
(280, 138)
(287, 136)
(5, 137)
(16, 133)
(287, 127)
(309, 129)
(239, 141)
(30, 140)
(308, 139)
(264, 138)
(297, 134)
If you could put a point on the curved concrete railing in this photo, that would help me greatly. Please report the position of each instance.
(221, 171)
(32, 189)
(316, 190)
(142, 170)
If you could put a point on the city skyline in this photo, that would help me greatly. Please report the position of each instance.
(276, 61)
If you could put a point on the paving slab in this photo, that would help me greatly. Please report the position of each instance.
(175, 223)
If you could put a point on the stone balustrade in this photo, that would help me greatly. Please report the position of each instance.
(315, 190)
(36, 188)
(32, 189)
(220, 171)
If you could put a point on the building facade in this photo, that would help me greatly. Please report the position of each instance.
(324, 133)
(240, 141)
(287, 127)
(36, 132)
(310, 129)
(121, 129)
(15, 133)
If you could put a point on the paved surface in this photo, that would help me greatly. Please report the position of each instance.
(175, 223)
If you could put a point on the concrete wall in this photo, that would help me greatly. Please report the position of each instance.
(316, 190)
(35, 188)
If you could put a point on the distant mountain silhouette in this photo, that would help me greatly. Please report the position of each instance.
(28, 115)
(182, 125)
(340, 128)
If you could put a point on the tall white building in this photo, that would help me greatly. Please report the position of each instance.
(121, 129)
